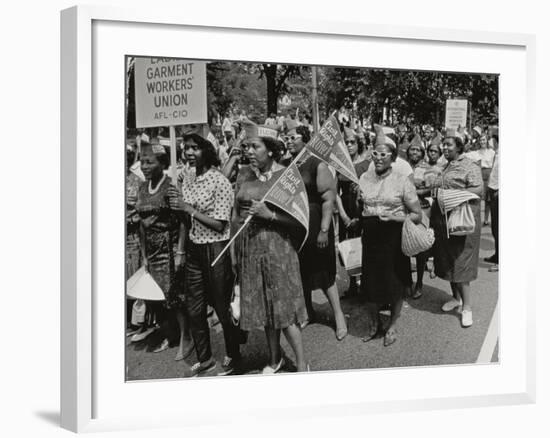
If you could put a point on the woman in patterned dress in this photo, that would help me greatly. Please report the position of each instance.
(205, 201)
(318, 256)
(265, 257)
(387, 197)
(456, 257)
(159, 232)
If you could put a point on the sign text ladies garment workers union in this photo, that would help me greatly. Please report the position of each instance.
(170, 92)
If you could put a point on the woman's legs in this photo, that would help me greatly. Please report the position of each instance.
(421, 260)
(395, 313)
(273, 337)
(293, 335)
(334, 300)
(186, 342)
(464, 291)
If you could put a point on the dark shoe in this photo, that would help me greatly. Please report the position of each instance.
(492, 259)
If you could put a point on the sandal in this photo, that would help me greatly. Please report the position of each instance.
(270, 370)
(163, 346)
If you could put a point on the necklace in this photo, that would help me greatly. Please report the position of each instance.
(263, 176)
(151, 191)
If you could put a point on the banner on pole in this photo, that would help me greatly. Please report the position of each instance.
(328, 145)
(289, 194)
(456, 113)
(170, 92)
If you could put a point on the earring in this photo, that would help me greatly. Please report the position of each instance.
(270, 154)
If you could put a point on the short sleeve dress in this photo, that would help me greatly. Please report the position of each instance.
(385, 269)
(456, 258)
(268, 266)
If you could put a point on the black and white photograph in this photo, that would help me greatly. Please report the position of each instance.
(285, 218)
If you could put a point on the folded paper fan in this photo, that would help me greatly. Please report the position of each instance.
(451, 198)
(142, 286)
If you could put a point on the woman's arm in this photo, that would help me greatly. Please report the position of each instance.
(142, 246)
(261, 211)
(326, 187)
(341, 211)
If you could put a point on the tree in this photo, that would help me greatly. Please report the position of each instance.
(276, 76)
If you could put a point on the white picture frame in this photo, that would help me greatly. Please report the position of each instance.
(83, 364)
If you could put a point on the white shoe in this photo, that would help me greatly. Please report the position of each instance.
(141, 336)
(467, 318)
(451, 305)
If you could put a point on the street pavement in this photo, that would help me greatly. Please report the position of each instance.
(426, 335)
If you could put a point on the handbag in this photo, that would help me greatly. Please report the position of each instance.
(416, 238)
(461, 220)
(350, 253)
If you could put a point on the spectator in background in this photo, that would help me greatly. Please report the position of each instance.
(493, 188)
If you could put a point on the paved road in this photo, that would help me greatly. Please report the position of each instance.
(426, 335)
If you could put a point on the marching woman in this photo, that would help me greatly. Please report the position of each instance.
(456, 257)
(265, 257)
(205, 201)
(387, 197)
(318, 256)
(159, 233)
(415, 156)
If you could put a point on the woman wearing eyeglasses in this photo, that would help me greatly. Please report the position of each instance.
(318, 256)
(456, 257)
(387, 198)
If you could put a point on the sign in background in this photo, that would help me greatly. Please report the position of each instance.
(170, 92)
(456, 113)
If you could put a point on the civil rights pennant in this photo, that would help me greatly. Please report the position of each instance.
(289, 194)
(328, 145)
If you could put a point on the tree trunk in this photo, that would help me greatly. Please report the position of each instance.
(271, 80)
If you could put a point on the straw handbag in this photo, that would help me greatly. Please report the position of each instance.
(416, 239)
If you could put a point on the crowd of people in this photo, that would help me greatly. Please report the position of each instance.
(176, 229)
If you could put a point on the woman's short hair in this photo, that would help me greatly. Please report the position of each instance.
(209, 153)
(274, 146)
(304, 132)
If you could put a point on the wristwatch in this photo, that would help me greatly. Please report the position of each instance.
(324, 230)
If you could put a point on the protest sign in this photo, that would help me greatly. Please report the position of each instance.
(328, 145)
(456, 113)
(170, 92)
(289, 194)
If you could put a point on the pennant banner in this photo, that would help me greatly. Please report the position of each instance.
(289, 194)
(328, 145)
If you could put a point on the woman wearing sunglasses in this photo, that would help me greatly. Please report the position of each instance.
(387, 197)
(318, 256)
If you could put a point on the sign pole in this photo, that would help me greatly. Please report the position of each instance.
(173, 159)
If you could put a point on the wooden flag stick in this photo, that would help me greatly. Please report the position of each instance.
(173, 160)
